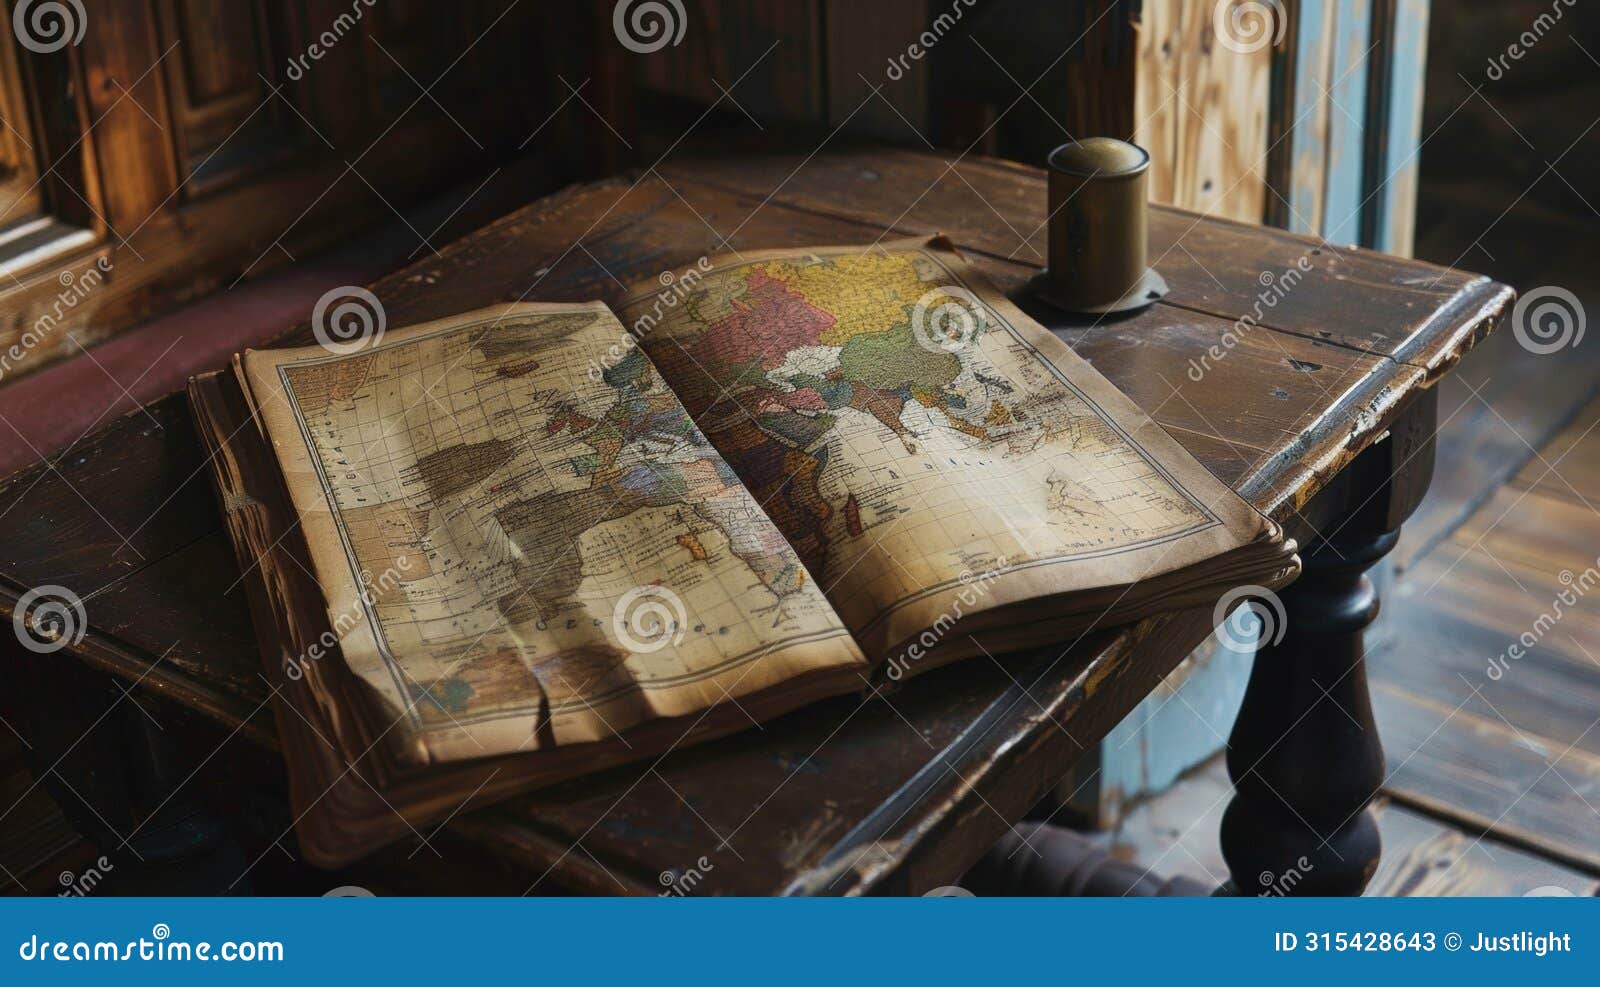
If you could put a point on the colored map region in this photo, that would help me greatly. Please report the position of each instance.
(873, 403)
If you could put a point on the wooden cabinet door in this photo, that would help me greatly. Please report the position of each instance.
(177, 146)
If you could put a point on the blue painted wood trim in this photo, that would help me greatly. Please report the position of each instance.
(1308, 148)
(1175, 728)
(1341, 215)
(1393, 149)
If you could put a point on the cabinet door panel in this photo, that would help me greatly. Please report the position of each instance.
(227, 122)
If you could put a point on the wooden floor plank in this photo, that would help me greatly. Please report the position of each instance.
(1448, 635)
(1175, 833)
(1569, 465)
(1545, 528)
(1424, 858)
(1460, 766)
(1489, 601)
(1486, 661)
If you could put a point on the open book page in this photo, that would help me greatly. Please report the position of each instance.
(523, 543)
(928, 449)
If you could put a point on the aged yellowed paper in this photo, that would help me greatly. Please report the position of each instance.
(525, 541)
(913, 434)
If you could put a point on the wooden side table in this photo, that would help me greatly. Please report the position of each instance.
(1319, 408)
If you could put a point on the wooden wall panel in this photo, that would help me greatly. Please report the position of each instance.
(418, 39)
(329, 86)
(1103, 68)
(860, 41)
(1200, 107)
(126, 96)
(222, 54)
(724, 38)
(225, 56)
(19, 165)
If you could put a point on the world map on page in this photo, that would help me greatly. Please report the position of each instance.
(520, 494)
(875, 405)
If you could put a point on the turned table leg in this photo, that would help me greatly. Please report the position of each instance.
(1304, 755)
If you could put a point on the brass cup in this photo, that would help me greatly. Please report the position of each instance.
(1099, 229)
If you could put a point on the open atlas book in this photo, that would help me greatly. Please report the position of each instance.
(522, 544)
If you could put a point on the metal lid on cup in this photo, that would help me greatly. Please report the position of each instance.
(1099, 157)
